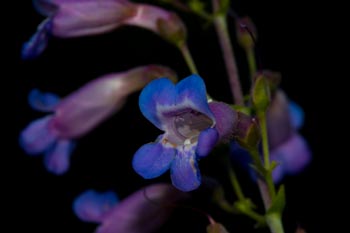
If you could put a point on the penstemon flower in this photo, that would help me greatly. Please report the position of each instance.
(288, 147)
(144, 211)
(74, 18)
(189, 126)
(80, 112)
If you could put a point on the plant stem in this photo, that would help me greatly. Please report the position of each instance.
(264, 139)
(255, 216)
(251, 62)
(264, 192)
(275, 223)
(188, 58)
(266, 154)
(228, 53)
(234, 181)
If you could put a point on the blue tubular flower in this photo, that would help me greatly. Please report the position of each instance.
(183, 113)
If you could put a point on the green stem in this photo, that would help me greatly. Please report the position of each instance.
(264, 192)
(274, 222)
(266, 154)
(255, 216)
(263, 186)
(188, 58)
(228, 54)
(234, 181)
(251, 62)
(264, 139)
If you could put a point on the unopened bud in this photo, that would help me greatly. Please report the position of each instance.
(261, 93)
(246, 33)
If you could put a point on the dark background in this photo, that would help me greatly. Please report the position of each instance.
(288, 36)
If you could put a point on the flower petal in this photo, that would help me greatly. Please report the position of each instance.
(143, 211)
(296, 115)
(156, 96)
(296, 154)
(56, 160)
(184, 170)
(279, 126)
(82, 17)
(225, 118)
(37, 136)
(38, 42)
(92, 206)
(152, 160)
(84, 109)
(207, 139)
(191, 92)
(44, 102)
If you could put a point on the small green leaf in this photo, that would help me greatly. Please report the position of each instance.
(273, 165)
(278, 203)
(261, 93)
(216, 228)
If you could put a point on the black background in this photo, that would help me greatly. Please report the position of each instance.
(289, 42)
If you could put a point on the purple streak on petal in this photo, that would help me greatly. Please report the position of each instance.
(295, 154)
(207, 139)
(184, 170)
(92, 206)
(158, 94)
(296, 115)
(191, 91)
(83, 110)
(90, 17)
(38, 42)
(152, 160)
(44, 102)
(143, 211)
(57, 159)
(37, 137)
